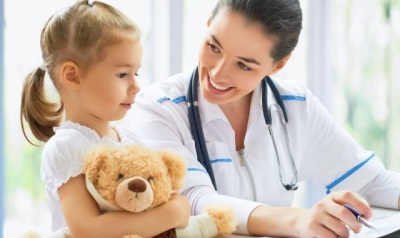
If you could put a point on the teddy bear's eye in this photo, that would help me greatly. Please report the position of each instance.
(150, 179)
(120, 176)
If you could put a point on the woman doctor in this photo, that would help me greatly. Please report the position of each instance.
(246, 41)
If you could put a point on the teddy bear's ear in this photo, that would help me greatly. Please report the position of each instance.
(176, 168)
(95, 161)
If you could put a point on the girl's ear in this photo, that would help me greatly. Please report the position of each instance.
(70, 75)
(281, 64)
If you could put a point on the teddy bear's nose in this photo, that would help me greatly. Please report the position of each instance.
(137, 186)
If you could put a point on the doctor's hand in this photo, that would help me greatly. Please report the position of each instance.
(328, 218)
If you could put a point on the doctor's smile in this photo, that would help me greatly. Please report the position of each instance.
(217, 89)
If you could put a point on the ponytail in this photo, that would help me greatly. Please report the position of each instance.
(40, 114)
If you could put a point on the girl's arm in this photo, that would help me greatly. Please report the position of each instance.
(85, 220)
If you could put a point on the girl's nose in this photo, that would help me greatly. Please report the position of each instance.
(134, 88)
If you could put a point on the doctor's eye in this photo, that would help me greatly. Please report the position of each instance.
(122, 75)
(244, 67)
(212, 47)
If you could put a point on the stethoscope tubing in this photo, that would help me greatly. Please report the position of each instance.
(198, 134)
(197, 131)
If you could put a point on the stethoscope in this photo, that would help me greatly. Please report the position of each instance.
(198, 135)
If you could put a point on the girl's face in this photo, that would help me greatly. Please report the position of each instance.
(234, 58)
(108, 88)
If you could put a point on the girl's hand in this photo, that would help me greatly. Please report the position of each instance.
(328, 218)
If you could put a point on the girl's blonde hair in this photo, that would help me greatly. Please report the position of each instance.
(77, 34)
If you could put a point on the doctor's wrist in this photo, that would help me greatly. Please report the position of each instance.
(274, 221)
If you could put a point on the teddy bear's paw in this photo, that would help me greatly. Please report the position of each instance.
(61, 233)
(200, 226)
(224, 218)
(30, 234)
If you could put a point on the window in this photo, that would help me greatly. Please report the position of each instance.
(366, 43)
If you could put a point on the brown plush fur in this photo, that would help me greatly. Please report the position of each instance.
(106, 167)
(225, 220)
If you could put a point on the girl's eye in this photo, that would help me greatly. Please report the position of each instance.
(122, 75)
(213, 47)
(244, 67)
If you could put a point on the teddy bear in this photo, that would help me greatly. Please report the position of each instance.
(136, 178)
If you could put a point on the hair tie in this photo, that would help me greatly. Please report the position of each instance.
(43, 67)
(91, 3)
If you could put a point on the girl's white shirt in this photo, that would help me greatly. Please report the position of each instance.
(62, 158)
(323, 151)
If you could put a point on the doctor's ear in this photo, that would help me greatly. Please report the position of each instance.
(208, 21)
(70, 75)
(278, 66)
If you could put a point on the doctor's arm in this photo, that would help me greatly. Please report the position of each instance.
(383, 190)
(326, 219)
(328, 143)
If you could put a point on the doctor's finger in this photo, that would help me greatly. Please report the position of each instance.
(353, 199)
(344, 216)
(338, 227)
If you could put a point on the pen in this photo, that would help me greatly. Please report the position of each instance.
(360, 218)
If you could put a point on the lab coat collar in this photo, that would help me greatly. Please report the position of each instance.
(209, 111)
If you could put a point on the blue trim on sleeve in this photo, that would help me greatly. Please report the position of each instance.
(197, 170)
(183, 98)
(176, 100)
(293, 98)
(347, 174)
(222, 160)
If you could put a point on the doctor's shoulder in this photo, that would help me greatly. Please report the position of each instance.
(172, 89)
(292, 88)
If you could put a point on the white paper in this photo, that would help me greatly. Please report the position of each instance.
(386, 221)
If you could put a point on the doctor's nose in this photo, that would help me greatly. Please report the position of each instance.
(220, 72)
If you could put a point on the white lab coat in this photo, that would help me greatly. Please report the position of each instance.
(322, 150)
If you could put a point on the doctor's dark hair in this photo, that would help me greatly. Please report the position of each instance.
(281, 19)
(78, 34)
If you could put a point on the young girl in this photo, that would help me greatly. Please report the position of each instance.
(92, 54)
